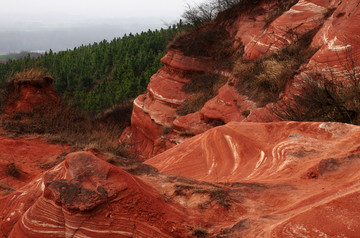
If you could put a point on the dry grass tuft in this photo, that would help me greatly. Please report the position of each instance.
(31, 76)
(202, 88)
(264, 79)
(193, 104)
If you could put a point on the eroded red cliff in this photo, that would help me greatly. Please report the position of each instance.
(256, 33)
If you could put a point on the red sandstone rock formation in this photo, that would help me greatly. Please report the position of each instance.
(295, 179)
(337, 42)
(31, 91)
(277, 179)
(86, 196)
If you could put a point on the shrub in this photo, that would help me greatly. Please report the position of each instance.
(12, 170)
(206, 11)
(199, 232)
(340, 14)
(323, 99)
(187, 134)
(210, 41)
(218, 195)
(245, 113)
(221, 197)
(4, 94)
(199, 15)
(193, 104)
(167, 130)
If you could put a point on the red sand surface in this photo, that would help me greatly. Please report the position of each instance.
(30, 156)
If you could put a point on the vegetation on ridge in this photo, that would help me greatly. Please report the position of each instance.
(96, 76)
(212, 41)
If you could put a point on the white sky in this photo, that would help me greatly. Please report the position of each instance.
(62, 24)
(74, 11)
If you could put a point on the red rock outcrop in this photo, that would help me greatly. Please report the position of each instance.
(86, 196)
(295, 179)
(156, 110)
(31, 91)
(261, 34)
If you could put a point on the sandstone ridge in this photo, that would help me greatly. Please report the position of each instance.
(156, 126)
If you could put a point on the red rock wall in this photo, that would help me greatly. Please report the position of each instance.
(337, 40)
(156, 109)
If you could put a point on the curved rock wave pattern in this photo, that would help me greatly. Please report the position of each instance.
(86, 197)
(293, 179)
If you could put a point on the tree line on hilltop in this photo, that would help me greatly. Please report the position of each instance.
(96, 76)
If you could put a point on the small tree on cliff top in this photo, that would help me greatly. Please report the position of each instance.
(206, 11)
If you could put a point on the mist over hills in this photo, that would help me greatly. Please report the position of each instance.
(36, 36)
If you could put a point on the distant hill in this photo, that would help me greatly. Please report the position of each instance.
(16, 56)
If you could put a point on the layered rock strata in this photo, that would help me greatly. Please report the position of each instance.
(294, 179)
(86, 197)
(335, 40)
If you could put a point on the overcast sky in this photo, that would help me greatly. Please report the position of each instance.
(65, 24)
(63, 12)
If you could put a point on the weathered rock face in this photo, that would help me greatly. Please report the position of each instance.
(294, 178)
(86, 196)
(260, 34)
(156, 110)
(31, 91)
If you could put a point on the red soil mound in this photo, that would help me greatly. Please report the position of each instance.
(31, 91)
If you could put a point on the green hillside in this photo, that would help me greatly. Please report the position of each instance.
(10, 56)
(96, 76)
